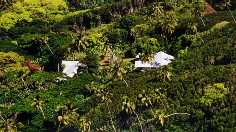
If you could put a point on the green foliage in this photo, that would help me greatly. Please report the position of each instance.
(195, 92)
(129, 21)
(6, 45)
(146, 46)
(95, 39)
(77, 56)
(83, 4)
(11, 57)
(141, 30)
(30, 9)
(167, 22)
(213, 93)
(117, 36)
(12, 63)
(67, 115)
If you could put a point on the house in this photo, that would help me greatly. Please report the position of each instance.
(70, 68)
(160, 59)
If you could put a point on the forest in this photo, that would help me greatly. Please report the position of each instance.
(106, 91)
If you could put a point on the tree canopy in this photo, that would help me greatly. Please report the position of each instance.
(196, 92)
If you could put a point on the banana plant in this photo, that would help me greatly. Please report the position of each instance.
(129, 107)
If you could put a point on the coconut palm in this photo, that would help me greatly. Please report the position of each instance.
(85, 124)
(38, 104)
(227, 5)
(67, 115)
(165, 73)
(162, 118)
(80, 42)
(211, 60)
(118, 69)
(129, 108)
(44, 41)
(9, 125)
(145, 99)
(105, 97)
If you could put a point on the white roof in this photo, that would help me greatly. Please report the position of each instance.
(70, 67)
(160, 59)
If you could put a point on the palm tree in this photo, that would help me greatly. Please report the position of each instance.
(85, 124)
(80, 42)
(227, 5)
(147, 57)
(38, 104)
(118, 69)
(211, 60)
(9, 125)
(165, 73)
(163, 117)
(44, 40)
(129, 108)
(67, 115)
(146, 100)
(106, 97)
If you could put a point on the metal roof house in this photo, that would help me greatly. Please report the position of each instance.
(160, 59)
(70, 68)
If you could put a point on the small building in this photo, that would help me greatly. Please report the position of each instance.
(160, 59)
(70, 68)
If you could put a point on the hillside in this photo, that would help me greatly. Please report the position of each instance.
(195, 92)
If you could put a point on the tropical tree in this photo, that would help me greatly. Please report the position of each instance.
(38, 105)
(165, 73)
(85, 124)
(147, 46)
(227, 4)
(118, 68)
(80, 42)
(67, 116)
(129, 107)
(10, 124)
(5, 3)
(106, 98)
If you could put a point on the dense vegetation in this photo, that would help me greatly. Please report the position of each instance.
(194, 93)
